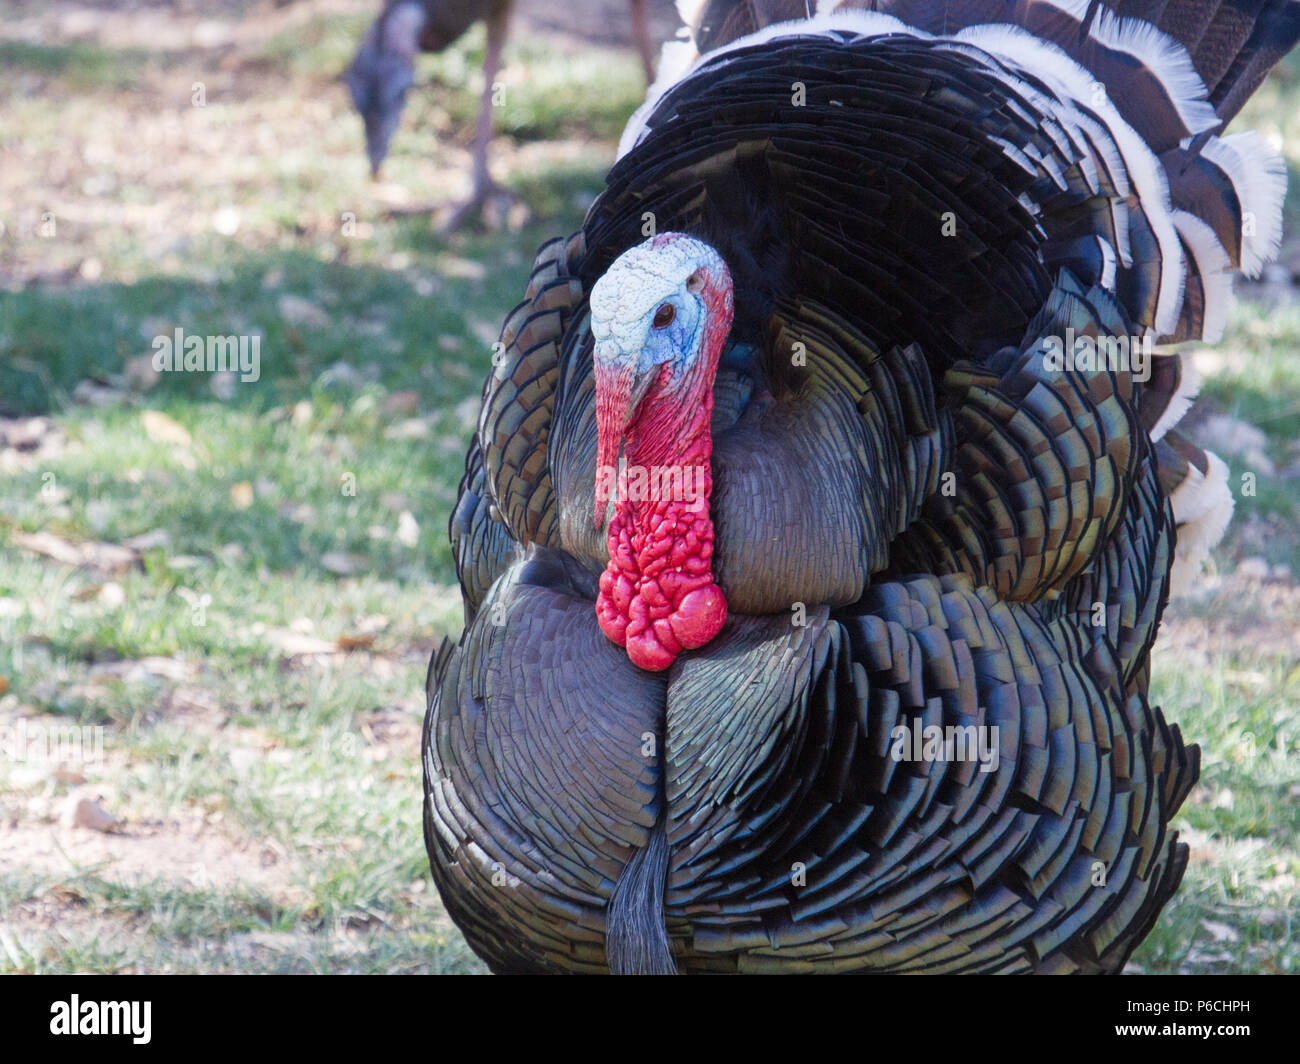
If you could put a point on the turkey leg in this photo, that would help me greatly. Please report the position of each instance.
(485, 190)
(641, 35)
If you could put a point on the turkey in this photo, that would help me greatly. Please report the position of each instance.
(826, 496)
(384, 69)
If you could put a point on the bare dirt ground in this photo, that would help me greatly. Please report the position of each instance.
(1237, 614)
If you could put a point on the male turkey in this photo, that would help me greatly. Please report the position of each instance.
(879, 324)
(384, 68)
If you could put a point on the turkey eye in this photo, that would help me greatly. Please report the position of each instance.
(664, 316)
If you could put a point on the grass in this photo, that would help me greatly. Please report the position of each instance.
(81, 66)
(257, 664)
(1237, 909)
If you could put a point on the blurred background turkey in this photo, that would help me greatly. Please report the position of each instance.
(384, 68)
(218, 596)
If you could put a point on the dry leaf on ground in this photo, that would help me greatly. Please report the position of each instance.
(108, 558)
(162, 429)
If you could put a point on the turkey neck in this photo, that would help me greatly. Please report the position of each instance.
(657, 595)
(660, 437)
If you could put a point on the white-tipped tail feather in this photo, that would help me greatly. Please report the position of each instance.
(1258, 173)
(1189, 386)
(1215, 269)
(1165, 58)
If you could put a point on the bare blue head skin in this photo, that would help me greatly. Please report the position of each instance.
(382, 71)
(648, 309)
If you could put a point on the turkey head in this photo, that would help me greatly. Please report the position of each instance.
(660, 317)
(381, 74)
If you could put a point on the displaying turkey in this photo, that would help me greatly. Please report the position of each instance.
(825, 498)
(384, 69)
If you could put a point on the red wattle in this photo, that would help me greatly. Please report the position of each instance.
(648, 653)
(699, 617)
(657, 595)
(612, 620)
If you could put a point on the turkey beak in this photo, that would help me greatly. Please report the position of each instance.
(377, 136)
(619, 392)
(381, 123)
